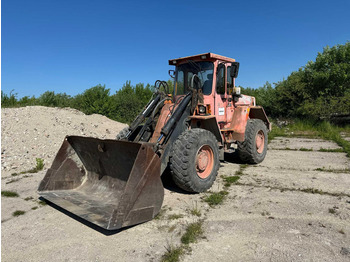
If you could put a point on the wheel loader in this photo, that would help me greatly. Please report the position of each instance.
(117, 183)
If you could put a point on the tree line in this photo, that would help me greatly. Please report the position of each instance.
(319, 89)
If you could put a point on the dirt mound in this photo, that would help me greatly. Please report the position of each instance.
(34, 132)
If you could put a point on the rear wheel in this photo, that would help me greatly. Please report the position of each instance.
(194, 162)
(253, 149)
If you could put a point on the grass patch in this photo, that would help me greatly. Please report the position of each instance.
(18, 213)
(230, 180)
(216, 198)
(28, 198)
(34, 208)
(313, 129)
(312, 191)
(305, 190)
(305, 149)
(344, 170)
(193, 232)
(12, 181)
(39, 166)
(286, 149)
(243, 166)
(195, 211)
(191, 235)
(334, 150)
(42, 203)
(173, 253)
(9, 194)
(175, 216)
(161, 214)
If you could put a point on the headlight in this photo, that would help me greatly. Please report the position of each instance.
(202, 109)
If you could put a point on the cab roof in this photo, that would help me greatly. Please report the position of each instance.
(205, 56)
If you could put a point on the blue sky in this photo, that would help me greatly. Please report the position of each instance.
(69, 46)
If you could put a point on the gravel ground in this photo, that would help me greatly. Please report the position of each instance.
(295, 206)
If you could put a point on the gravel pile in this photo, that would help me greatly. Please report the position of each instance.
(34, 132)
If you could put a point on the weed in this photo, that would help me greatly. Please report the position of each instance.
(9, 194)
(160, 214)
(312, 191)
(171, 229)
(39, 166)
(332, 150)
(175, 216)
(229, 180)
(42, 203)
(33, 208)
(12, 181)
(215, 199)
(18, 213)
(173, 253)
(243, 166)
(193, 232)
(28, 198)
(286, 149)
(305, 149)
(332, 211)
(195, 211)
(239, 172)
(345, 170)
(306, 190)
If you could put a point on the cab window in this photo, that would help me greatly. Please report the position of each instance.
(229, 81)
(220, 79)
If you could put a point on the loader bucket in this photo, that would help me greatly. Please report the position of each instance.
(109, 183)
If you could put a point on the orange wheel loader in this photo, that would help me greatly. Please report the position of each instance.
(117, 183)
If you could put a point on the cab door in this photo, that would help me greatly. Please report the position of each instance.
(220, 95)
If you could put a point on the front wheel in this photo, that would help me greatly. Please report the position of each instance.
(194, 162)
(253, 149)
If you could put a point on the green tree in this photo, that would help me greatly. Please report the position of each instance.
(8, 100)
(95, 100)
(129, 101)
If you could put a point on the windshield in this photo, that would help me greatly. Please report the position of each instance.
(184, 73)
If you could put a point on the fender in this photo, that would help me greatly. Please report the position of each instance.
(209, 123)
(258, 112)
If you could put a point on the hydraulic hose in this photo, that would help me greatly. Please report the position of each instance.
(176, 115)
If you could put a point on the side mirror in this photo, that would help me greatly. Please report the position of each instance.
(171, 73)
(234, 69)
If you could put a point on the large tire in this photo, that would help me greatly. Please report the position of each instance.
(194, 162)
(253, 149)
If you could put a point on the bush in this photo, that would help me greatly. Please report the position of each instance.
(95, 100)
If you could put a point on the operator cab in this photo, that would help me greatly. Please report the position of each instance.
(203, 66)
(215, 76)
(185, 72)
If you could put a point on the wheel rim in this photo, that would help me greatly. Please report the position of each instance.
(204, 161)
(260, 141)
